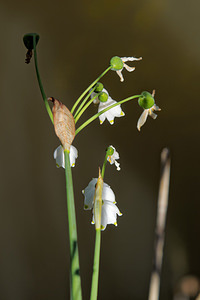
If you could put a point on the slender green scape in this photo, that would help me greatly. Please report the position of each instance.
(75, 279)
(48, 108)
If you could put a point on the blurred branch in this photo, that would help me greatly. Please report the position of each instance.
(154, 288)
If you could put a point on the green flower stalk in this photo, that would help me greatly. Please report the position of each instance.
(62, 120)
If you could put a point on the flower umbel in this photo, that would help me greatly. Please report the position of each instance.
(118, 64)
(60, 157)
(113, 155)
(109, 209)
(147, 102)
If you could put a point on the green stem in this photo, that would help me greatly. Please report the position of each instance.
(95, 275)
(84, 101)
(102, 112)
(76, 293)
(48, 108)
(104, 165)
(91, 85)
(84, 108)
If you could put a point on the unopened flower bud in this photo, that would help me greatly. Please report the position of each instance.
(98, 87)
(116, 63)
(146, 100)
(103, 97)
(28, 40)
(110, 151)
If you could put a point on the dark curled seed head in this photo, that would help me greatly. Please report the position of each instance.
(28, 56)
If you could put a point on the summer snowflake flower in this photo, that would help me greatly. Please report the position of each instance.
(147, 102)
(60, 157)
(111, 113)
(120, 66)
(113, 158)
(109, 209)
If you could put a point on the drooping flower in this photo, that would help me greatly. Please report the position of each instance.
(60, 157)
(109, 209)
(111, 113)
(113, 155)
(147, 102)
(118, 64)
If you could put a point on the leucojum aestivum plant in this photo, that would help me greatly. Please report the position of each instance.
(98, 195)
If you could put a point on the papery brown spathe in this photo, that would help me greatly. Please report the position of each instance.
(64, 123)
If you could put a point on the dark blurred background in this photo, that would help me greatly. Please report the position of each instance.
(77, 40)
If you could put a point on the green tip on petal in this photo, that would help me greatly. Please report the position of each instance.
(86, 206)
(116, 63)
(146, 100)
(110, 151)
(28, 40)
(103, 97)
(98, 87)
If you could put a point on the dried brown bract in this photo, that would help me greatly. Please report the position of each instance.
(64, 123)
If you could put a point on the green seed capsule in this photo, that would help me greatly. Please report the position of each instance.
(146, 100)
(103, 97)
(28, 40)
(116, 63)
(110, 151)
(99, 87)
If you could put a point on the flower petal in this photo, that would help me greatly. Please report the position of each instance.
(59, 157)
(109, 214)
(73, 154)
(89, 194)
(142, 119)
(124, 59)
(108, 194)
(129, 68)
(119, 73)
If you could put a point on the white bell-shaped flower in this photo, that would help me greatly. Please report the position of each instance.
(111, 113)
(60, 157)
(109, 209)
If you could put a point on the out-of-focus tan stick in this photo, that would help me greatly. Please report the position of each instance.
(154, 288)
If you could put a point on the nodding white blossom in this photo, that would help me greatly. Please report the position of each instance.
(109, 209)
(113, 158)
(60, 157)
(129, 69)
(145, 114)
(146, 100)
(111, 113)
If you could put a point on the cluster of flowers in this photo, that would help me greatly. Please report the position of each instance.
(101, 97)
(109, 208)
